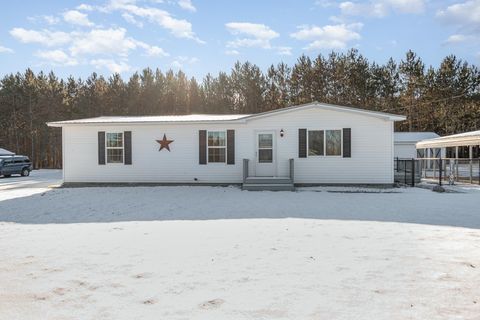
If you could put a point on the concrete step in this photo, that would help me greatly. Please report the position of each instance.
(268, 186)
(267, 180)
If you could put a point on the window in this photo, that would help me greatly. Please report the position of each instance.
(114, 148)
(333, 143)
(324, 142)
(217, 145)
(315, 142)
(265, 148)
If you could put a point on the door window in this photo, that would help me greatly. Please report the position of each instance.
(265, 148)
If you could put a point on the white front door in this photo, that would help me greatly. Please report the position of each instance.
(265, 154)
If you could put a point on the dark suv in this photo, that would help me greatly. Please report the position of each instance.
(15, 165)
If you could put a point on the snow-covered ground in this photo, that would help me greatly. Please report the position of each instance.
(37, 182)
(223, 253)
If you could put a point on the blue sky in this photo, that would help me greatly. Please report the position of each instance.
(105, 36)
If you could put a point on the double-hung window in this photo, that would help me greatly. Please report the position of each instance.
(316, 142)
(333, 142)
(324, 142)
(114, 147)
(217, 146)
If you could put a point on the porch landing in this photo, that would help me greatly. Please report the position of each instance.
(268, 183)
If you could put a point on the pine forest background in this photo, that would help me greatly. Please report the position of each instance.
(443, 99)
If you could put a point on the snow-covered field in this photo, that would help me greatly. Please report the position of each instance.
(223, 253)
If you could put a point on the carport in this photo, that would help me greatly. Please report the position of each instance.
(455, 157)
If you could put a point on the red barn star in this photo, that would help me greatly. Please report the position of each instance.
(164, 143)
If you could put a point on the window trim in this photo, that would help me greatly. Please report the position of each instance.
(325, 143)
(120, 148)
(217, 147)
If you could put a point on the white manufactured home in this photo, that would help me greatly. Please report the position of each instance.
(314, 143)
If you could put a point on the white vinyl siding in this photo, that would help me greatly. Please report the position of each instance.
(371, 145)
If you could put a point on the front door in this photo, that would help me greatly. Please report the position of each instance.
(265, 164)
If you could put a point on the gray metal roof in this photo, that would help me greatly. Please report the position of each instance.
(5, 152)
(410, 137)
(199, 118)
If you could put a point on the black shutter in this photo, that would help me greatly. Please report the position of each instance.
(230, 146)
(127, 135)
(302, 143)
(101, 147)
(202, 146)
(347, 142)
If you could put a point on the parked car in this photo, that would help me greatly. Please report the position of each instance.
(15, 165)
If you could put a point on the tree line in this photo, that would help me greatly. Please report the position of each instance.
(444, 99)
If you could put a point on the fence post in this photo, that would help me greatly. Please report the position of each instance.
(413, 172)
(440, 171)
(405, 171)
(456, 170)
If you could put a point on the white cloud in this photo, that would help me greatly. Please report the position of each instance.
(44, 37)
(152, 51)
(103, 41)
(466, 17)
(155, 51)
(463, 14)
(131, 19)
(232, 52)
(176, 64)
(111, 65)
(77, 18)
(51, 20)
(382, 8)
(253, 35)
(178, 27)
(48, 19)
(187, 5)
(5, 50)
(284, 51)
(329, 36)
(56, 57)
(180, 61)
(457, 38)
(85, 7)
(325, 3)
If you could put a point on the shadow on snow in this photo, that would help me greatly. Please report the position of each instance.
(97, 204)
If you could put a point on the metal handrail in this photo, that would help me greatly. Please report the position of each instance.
(245, 170)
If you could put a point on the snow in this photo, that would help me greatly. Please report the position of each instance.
(154, 119)
(223, 253)
(39, 181)
(5, 152)
(220, 117)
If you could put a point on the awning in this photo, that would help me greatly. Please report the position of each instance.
(471, 138)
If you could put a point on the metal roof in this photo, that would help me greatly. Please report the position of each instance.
(410, 137)
(219, 118)
(5, 152)
(460, 139)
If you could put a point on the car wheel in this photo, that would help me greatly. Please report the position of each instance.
(25, 172)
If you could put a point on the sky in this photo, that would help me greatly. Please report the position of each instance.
(199, 36)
